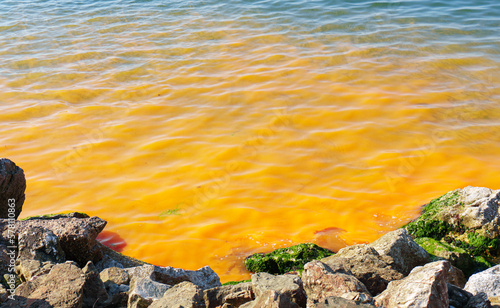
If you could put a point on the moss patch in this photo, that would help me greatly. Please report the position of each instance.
(57, 216)
(232, 283)
(286, 260)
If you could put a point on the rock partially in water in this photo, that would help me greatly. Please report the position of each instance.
(285, 260)
(425, 286)
(12, 187)
(462, 227)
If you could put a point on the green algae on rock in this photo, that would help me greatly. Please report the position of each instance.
(461, 226)
(287, 259)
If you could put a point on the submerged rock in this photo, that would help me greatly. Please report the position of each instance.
(285, 260)
(12, 187)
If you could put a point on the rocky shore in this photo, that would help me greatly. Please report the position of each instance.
(445, 258)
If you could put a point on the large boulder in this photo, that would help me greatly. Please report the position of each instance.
(320, 282)
(204, 277)
(487, 282)
(367, 265)
(289, 286)
(425, 286)
(12, 187)
(234, 295)
(462, 227)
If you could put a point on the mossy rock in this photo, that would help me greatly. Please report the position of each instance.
(441, 233)
(286, 260)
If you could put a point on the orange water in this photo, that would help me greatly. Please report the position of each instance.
(215, 138)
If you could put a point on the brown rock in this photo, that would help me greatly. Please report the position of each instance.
(114, 275)
(456, 277)
(235, 295)
(12, 187)
(94, 292)
(284, 285)
(185, 295)
(38, 243)
(337, 302)
(321, 282)
(271, 299)
(61, 287)
(425, 286)
(365, 263)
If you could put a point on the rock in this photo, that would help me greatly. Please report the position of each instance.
(284, 285)
(337, 302)
(184, 294)
(38, 243)
(458, 297)
(12, 187)
(321, 282)
(487, 281)
(61, 287)
(204, 277)
(144, 291)
(479, 300)
(234, 295)
(456, 277)
(77, 236)
(114, 275)
(425, 286)
(405, 253)
(480, 209)
(4, 294)
(94, 292)
(27, 269)
(285, 260)
(271, 299)
(117, 295)
(365, 263)
(113, 258)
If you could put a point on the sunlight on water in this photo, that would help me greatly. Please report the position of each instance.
(204, 132)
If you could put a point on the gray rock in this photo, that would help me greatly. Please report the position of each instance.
(12, 187)
(487, 281)
(144, 291)
(38, 243)
(114, 275)
(458, 297)
(365, 263)
(234, 295)
(337, 302)
(284, 285)
(204, 277)
(405, 253)
(425, 286)
(321, 282)
(27, 269)
(117, 295)
(94, 292)
(61, 287)
(182, 295)
(480, 209)
(479, 300)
